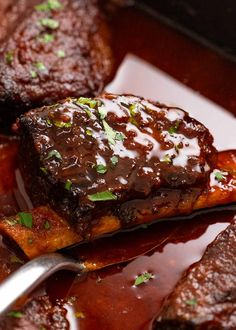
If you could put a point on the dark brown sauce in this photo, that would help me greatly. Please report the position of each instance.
(107, 299)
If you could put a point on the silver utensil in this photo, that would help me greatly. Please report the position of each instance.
(30, 275)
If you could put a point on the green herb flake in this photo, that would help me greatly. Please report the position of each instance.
(143, 278)
(26, 219)
(114, 160)
(62, 124)
(9, 56)
(166, 159)
(61, 53)
(102, 196)
(173, 129)
(40, 66)
(44, 170)
(49, 5)
(68, 185)
(33, 74)
(15, 260)
(89, 132)
(49, 23)
(191, 302)
(46, 38)
(16, 314)
(54, 4)
(54, 153)
(112, 135)
(87, 101)
(102, 112)
(101, 169)
(219, 176)
(30, 241)
(47, 225)
(133, 109)
(42, 7)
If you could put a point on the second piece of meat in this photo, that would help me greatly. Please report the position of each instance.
(53, 49)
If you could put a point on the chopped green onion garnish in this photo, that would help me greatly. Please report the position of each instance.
(61, 53)
(89, 132)
(143, 278)
(68, 185)
(49, 5)
(102, 196)
(166, 159)
(47, 225)
(16, 314)
(47, 38)
(114, 160)
(54, 4)
(87, 101)
(9, 57)
(52, 154)
(102, 112)
(26, 219)
(49, 23)
(33, 74)
(191, 302)
(219, 176)
(112, 135)
(173, 129)
(40, 66)
(62, 124)
(102, 169)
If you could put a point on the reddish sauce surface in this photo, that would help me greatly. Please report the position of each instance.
(107, 299)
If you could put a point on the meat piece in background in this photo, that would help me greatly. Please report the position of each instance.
(52, 50)
(205, 298)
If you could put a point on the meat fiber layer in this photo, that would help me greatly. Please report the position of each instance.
(52, 50)
(205, 298)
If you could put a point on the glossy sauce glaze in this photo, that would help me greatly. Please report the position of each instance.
(89, 300)
(89, 157)
(107, 299)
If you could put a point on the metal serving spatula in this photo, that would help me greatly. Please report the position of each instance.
(102, 255)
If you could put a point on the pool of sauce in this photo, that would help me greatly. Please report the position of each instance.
(108, 299)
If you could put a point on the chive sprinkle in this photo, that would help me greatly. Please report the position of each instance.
(9, 57)
(102, 196)
(52, 154)
(143, 278)
(61, 53)
(101, 169)
(16, 314)
(40, 66)
(191, 302)
(49, 23)
(219, 176)
(26, 219)
(33, 74)
(68, 185)
(47, 225)
(114, 160)
(46, 38)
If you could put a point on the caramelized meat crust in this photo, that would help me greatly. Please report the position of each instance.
(205, 298)
(52, 50)
(91, 157)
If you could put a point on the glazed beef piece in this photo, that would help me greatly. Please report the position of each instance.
(53, 49)
(114, 155)
(205, 298)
